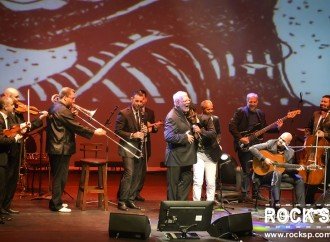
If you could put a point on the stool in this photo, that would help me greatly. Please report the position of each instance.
(101, 188)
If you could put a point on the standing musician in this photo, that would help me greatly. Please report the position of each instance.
(149, 117)
(15, 156)
(274, 177)
(208, 155)
(319, 127)
(131, 125)
(247, 118)
(60, 143)
(6, 109)
(180, 154)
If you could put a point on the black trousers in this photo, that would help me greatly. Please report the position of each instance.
(12, 177)
(59, 165)
(179, 180)
(130, 179)
(245, 158)
(2, 184)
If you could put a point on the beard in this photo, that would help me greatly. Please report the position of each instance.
(324, 108)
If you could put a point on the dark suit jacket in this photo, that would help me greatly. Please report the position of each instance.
(178, 150)
(209, 137)
(324, 126)
(5, 143)
(125, 126)
(61, 130)
(239, 122)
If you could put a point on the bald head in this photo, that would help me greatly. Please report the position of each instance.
(286, 137)
(12, 93)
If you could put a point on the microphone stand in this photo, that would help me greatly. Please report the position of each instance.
(108, 122)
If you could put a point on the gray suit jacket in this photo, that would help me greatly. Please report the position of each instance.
(179, 152)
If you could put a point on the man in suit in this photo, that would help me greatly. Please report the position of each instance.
(131, 126)
(244, 119)
(149, 117)
(60, 143)
(208, 155)
(181, 150)
(319, 125)
(6, 109)
(15, 156)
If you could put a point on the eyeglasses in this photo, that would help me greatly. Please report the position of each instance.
(72, 98)
(282, 140)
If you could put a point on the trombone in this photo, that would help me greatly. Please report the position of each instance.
(90, 114)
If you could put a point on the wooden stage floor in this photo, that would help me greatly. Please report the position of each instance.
(36, 222)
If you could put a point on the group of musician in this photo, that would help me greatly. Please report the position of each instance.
(192, 150)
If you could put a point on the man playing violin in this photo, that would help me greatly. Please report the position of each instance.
(319, 127)
(15, 118)
(6, 108)
(274, 176)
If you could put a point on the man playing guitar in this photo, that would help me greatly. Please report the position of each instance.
(277, 148)
(246, 118)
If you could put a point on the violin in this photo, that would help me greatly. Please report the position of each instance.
(16, 129)
(23, 108)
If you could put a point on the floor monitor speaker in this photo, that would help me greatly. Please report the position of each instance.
(124, 225)
(232, 226)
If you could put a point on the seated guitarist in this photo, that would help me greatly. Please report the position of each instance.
(277, 149)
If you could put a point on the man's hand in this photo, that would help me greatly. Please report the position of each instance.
(100, 132)
(245, 140)
(279, 123)
(320, 133)
(18, 137)
(44, 114)
(138, 135)
(196, 129)
(268, 161)
(190, 138)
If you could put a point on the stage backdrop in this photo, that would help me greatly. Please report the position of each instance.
(213, 49)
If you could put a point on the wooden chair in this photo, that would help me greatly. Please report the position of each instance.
(84, 187)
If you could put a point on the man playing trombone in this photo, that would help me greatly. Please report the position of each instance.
(131, 126)
(60, 143)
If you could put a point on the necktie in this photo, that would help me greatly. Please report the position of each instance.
(137, 118)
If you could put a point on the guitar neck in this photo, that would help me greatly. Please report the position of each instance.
(268, 127)
(286, 165)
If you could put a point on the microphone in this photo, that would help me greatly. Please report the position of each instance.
(107, 122)
(301, 95)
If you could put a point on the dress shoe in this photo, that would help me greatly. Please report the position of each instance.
(139, 198)
(64, 210)
(4, 211)
(12, 211)
(132, 205)
(122, 206)
(65, 205)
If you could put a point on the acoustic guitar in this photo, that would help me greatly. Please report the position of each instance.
(254, 133)
(279, 164)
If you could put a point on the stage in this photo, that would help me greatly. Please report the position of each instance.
(36, 222)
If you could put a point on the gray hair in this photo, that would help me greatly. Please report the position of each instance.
(178, 96)
(251, 94)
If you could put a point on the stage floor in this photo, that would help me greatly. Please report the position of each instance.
(36, 222)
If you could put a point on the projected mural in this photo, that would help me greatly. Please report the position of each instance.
(219, 49)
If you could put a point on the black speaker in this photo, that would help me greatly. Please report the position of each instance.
(232, 226)
(129, 226)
